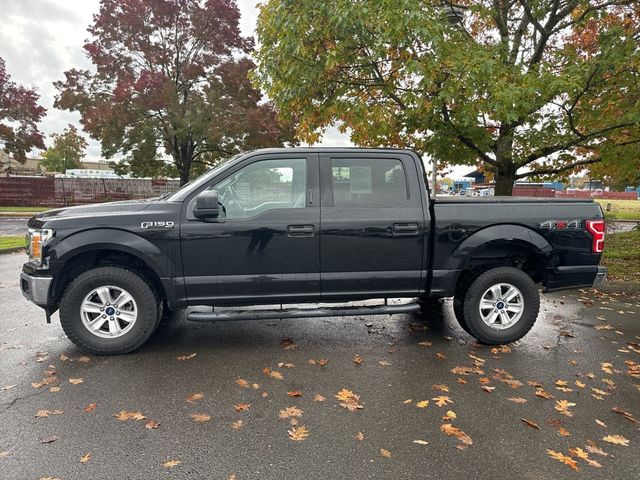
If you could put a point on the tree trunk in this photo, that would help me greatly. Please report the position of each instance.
(504, 180)
(505, 169)
(183, 157)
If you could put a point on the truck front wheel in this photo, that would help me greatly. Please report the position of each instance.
(501, 305)
(109, 311)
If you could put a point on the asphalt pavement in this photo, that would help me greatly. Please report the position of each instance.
(13, 226)
(67, 415)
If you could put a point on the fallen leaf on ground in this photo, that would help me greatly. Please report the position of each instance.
(357, 359)
(241, 382)
(182, 358)
(8, 387)
(123, 415)
(200, 417)
(54, 389)
(242, 407)
(318, 398)
(625, 414)
(49, 439)
(563, 406)
(517, 399)
(90, 408)
(76, 381)
(171, 463)
(540, 392)
(442, 401)
(349, 400)
(616, 440)
(195, 397)
(272, 373)
(440, 356)
(563, 432)
(85, 458)
(4, 454)
(450, 415)
(290, 412)
(452, 431)
(385, 453)
(360, 436)
(298, 433)
(488, 389)
(84, 359)
(441, 388)
(46, 413)
(288, 343)
(593, 448)
(152, 425)
(570, 462)
(531, 423)
(421, 442)
(422, 404)
(237, 425)
(294, 393)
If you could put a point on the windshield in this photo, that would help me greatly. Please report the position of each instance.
(178, 194)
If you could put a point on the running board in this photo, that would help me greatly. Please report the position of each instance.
(301, 312)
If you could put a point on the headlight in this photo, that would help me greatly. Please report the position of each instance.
(36, 238)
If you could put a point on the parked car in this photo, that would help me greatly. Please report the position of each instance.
(307, 225)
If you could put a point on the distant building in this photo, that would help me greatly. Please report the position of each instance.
(32, 165)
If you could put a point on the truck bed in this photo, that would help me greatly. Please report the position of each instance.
(484, 200)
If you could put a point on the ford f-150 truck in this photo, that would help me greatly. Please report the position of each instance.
(307, 226)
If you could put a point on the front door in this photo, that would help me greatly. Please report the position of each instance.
(373, 225)
(264, 247)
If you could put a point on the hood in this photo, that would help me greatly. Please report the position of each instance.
(91, 211)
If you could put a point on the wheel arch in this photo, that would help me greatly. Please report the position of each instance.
(503, 245)
(95, 248)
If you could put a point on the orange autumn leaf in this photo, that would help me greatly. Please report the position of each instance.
(349, 400)
(90, 408)
(570, 462)
(563, 406)
(298, 433)
(194, 397)
(272, 373)
(76, 381)
(360, 436)
(123, 415)
(517, 400)
(182, 358)
(290, 412)
(242, 407)
(540, 392)
(357, 359)
(452, 431)
(294, 393)
(385, 453)
(442, 401)
(237, 425)
(152, 425)
(200, 417)
(318, 398)
(171, 463)
(616, 440)
(85, 458)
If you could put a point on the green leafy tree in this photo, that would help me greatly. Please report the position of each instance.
(66, 152)
(525, 87)
(170, 79)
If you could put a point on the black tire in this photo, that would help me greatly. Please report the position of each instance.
(148, 310)
(458, 310)
(530, 296)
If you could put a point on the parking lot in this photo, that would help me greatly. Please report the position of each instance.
(406, 396)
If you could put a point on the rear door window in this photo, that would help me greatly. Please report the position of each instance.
(368, 182)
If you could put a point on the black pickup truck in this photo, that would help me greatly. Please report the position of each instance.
(307, 226)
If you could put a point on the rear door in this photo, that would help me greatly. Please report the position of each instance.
(372, 235)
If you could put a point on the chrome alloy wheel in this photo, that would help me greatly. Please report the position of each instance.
(108, 311)
(501, 306)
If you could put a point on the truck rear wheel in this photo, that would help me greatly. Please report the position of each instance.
(501, 305)
(109, 311)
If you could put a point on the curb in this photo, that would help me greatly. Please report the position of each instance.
(17, 214)
(619, 287)
(11, 250)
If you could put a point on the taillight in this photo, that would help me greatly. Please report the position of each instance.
(596, 228)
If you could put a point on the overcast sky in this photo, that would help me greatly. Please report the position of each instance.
(40, 39)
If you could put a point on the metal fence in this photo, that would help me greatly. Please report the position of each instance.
(550, 192)
(57, 192)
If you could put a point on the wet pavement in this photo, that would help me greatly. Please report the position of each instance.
(584, 350)
(13, 226)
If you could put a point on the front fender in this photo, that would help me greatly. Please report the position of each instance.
(500, 235)
(112, 239)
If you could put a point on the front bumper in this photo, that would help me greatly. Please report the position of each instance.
(35, 289)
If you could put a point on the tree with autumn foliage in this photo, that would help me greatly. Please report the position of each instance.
(526, 88)
(19, 117)
(66, 152)
(170, 78)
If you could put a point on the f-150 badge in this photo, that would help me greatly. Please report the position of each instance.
(157, 225)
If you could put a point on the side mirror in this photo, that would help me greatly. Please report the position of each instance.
(207, 205)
